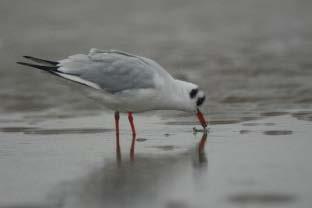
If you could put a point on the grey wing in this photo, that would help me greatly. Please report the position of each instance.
(111, 71)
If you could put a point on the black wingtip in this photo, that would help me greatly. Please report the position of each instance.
(27, 64)
(45, 68)
(42, 61)
(21, 63)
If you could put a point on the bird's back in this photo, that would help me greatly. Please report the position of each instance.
(112, 71)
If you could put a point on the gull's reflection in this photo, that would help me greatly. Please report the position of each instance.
(118, 149)
(200, 162)
(141, 181)
(132, 148)
(202, 159)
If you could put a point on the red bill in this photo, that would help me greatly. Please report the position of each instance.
(202, 119)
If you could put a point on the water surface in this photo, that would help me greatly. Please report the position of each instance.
(172, 167)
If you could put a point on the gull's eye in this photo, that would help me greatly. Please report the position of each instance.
(200, 101)
(193, 93)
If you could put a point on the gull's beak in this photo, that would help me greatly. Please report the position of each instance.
(201, 119)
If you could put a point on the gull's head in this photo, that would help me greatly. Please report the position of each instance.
(193, 99)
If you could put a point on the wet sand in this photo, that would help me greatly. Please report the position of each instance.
(259, 163)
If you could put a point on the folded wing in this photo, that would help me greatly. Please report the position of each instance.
(112, 71)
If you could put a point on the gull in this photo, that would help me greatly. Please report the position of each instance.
(127, 83)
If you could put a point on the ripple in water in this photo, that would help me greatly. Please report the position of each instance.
(261, 198)
(303, 115)
(278, 132)
(32, 130)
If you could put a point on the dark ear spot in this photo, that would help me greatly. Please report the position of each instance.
(200, 101)
(193, 93)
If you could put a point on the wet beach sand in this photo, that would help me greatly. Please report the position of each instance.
(259, 163)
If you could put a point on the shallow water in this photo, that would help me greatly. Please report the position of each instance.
(253, 60)
(169, 167)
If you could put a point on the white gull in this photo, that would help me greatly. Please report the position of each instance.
(127, 83)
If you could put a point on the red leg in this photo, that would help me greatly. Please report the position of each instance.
(130, 117)
(117, 132)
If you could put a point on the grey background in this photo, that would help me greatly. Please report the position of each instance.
(248, 55)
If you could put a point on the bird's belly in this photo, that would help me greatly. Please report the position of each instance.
(127, 101)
